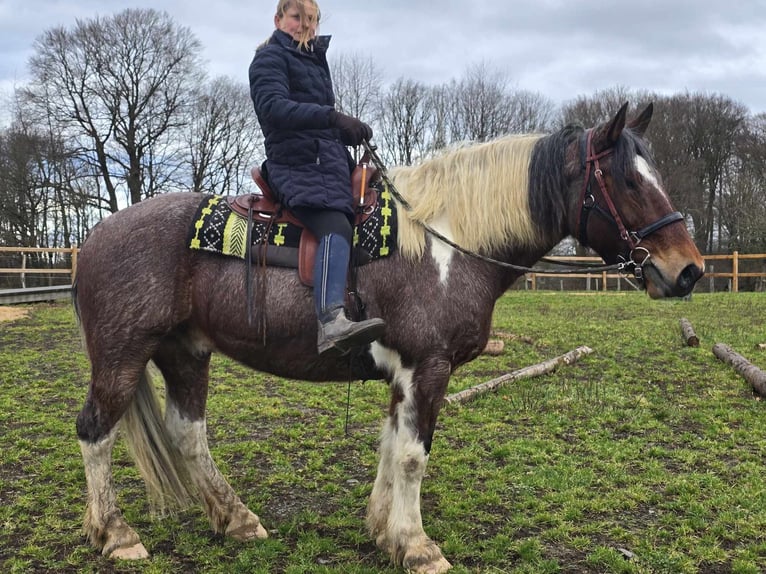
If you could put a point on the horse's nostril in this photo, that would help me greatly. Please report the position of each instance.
(688, 277)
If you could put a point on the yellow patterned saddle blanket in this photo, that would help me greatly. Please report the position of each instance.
(217, 228)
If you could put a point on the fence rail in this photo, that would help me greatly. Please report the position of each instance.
(57, 267)
(733, 268)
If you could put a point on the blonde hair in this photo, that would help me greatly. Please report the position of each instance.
(284, 5)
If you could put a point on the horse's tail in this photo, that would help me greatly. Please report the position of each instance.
(160, 463)
(74, 301)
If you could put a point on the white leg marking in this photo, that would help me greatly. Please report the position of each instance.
(402, 464)
(98, 475)
(223, 506)
(379, 506)
(408, 466)
(104, 524)
(189, 436)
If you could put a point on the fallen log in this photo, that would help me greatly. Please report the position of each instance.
(527, 372)
(689, 335)
(512, 337)
(493, 347)
(752, 374)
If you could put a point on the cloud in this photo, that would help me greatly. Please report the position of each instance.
(558, 48)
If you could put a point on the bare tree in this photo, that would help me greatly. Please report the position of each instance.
(404, 120)
(713, 125)
(695, 141)
(357, 86)
(591, 110)
(530, 112)
(41, 200)
(119, 85)
(356, 81)
(440, 105)
(743, 192)
(223, 138)
(481, 105)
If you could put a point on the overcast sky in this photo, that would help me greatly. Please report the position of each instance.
(559, 48)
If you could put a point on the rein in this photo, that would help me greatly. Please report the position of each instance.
(588, 203)
(371, 150)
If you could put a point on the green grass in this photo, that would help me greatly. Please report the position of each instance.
(645, 457)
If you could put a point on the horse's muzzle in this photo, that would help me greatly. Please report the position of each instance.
(658, 285)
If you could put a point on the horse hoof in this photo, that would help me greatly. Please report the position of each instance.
(247, 532)
(426, 558)
(436, 567)
(135, 552)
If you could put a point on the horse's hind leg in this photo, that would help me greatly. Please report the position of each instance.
(185, 370)
(108, 398)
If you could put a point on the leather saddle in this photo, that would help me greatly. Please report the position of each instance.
(266, 208)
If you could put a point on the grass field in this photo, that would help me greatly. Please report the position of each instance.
(645, 457)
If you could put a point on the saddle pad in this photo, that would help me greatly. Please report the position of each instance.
(216, 228)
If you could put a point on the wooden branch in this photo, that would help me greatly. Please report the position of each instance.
(532, 371)
(752, 374)
(512, 337)
(688, 332)
(494, 347)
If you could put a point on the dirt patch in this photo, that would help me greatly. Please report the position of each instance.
(12, 313)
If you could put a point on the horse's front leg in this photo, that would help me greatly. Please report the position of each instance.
(393, 513)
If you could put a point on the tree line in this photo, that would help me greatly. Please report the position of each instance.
(119, 108)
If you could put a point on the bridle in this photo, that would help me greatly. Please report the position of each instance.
(588, 203)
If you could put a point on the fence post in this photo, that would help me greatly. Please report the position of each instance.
(23, 267)
(735, 272)
(74, 264)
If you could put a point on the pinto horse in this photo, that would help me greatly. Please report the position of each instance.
(143, 297)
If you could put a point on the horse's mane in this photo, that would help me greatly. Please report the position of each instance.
(479, 190)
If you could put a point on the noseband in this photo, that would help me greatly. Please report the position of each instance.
(588, 203)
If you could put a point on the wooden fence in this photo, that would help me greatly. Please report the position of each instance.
(40, 266)
(723, 272)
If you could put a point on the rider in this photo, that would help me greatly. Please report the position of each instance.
(308, 165)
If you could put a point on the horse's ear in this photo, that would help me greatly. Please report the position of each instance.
(639, 124)
(609, 133)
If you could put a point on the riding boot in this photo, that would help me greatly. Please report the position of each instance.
(335, 330)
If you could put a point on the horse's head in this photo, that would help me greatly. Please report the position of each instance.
(624, 213)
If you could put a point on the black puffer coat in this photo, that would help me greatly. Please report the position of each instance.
(307, 165)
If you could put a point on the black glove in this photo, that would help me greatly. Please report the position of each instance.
(352, 131)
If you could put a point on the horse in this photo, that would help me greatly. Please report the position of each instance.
(146, 302)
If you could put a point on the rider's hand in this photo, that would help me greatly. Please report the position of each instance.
(352, 130)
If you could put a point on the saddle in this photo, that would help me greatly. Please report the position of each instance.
(265, 208)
